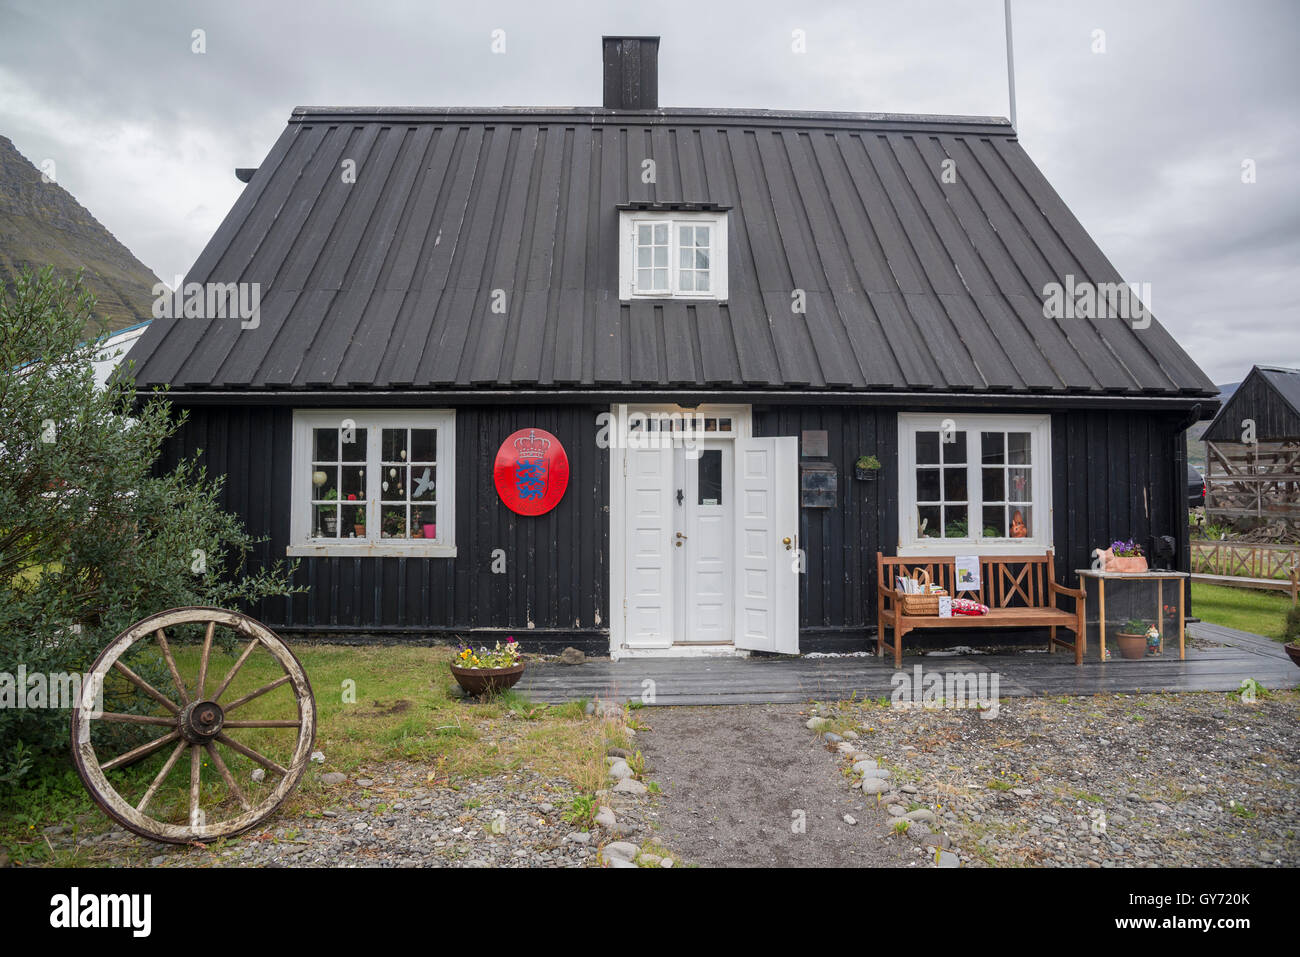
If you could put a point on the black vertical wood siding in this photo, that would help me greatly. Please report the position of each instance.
(555, 586)
(1114, 474)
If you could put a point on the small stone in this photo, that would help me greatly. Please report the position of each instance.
(619, 770)
(879, 773)
(546, 808)
(605, 817)
(864, 766)
(910, 789)
(896, 810)
(830, 737)
(318, 757)
(650, 860)
(329, 813)
(948, 859)
(630, 786)
(364, 782)
(850, 820)
(259, 775)
(618, 862)
(936, 840)
(617, 752)
(666, 862)
(1049, 819)
(1267, 856)
(816, 723)
(851, 735)
(1022, 792)
(578, 837)
(572, 656)
(619, 849)
(874, 786)
(590, 708)
(924, 815)
(157, 861)
(333, 778)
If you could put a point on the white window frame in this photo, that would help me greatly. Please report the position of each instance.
(301, 540)
(1039, 428)
(628, 222)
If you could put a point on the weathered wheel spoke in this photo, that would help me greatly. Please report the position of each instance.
(171, 666)
(135, 754)
(250, 753)
(203, 662)
(227, 777)
(216, 695)
(162, 776)
(147, 688)
(137, 719)
(196, 769)
(239, 702)
(261, 723)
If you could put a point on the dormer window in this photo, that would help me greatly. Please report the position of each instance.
(678, 254)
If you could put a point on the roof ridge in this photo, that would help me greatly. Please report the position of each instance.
(993, 124)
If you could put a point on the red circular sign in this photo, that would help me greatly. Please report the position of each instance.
(531, 472)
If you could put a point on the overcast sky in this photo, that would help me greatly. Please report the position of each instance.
(1145, 141)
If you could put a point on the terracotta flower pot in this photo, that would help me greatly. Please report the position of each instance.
(1131, 646)
(1127, 563)
(1293, 650)
(477, 681)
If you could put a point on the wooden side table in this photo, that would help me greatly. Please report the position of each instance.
(1159, 578)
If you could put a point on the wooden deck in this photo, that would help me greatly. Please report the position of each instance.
(716, 681)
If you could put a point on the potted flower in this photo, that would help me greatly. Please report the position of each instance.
(1125, 556)
(359, 524)
(1133, 641)
(866, 467)
(488, 670)
(330, 514)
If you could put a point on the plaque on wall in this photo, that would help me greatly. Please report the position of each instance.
(814, 443)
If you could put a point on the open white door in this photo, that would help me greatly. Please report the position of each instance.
(648, 505)
(767, 525)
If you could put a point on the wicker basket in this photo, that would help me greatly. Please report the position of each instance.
(915, 605)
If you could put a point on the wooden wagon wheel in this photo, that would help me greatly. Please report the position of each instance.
(193, 718)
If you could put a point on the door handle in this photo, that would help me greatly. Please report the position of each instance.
(786, 542)
(683, 537)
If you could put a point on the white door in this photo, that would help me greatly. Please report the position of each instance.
(767, 542)
(649, 505)
(703, 542)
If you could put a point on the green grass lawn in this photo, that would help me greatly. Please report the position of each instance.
(373, 705)
(1261, 612)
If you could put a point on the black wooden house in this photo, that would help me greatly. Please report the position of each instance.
(713, 315)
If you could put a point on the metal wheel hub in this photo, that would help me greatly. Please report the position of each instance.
(201, 721)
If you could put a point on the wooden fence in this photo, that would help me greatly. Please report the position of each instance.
(1244, 561)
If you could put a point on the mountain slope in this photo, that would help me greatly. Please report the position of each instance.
(42, 224)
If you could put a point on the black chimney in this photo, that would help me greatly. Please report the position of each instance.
(631, 73)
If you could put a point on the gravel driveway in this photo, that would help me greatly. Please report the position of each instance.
(735, 780)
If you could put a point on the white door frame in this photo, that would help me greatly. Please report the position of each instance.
(742, 429)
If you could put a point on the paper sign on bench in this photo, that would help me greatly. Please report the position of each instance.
(967, 568)
(945, 606)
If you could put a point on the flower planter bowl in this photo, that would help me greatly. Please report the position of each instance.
(1131, 646)
(1127, 563)
(866, 475)
(478, 681)
(1293, 650)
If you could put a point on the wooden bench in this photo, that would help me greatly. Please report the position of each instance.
(1020, 590)
(1290, 584)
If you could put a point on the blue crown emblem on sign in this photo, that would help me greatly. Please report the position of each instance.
(530, 465)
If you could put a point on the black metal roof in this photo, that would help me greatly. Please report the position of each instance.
(911, 283)
(1270, 397)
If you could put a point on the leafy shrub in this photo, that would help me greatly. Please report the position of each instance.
(93, 534)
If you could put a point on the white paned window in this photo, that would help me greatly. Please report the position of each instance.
(373, 483)
(673, 255)
(974, 483)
